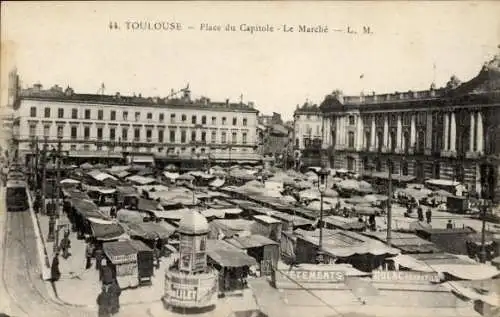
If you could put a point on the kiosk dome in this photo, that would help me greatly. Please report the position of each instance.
(193, 223)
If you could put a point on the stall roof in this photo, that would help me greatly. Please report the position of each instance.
(147, 204)
(139, 245)
(120, 252)
(252, 241)
(406, 242)
(170, 175)
(100, 176)
(344, 223)
(105, 232)
(141, 180)
(130, 216)
(150, 230)
(217, 182)
(442, 182)
(266, 219)
(230, 227)
(176, 214)
(346, 243)
(86, 208)
(102, 190)
(228, 255)
(127, 190)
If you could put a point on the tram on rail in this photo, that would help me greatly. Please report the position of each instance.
(17, 195)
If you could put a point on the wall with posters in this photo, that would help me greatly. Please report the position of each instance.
(186, 290)
(193, 253)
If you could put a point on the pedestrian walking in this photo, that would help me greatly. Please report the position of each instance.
(157, 254)
(99, 255)
(428, 215)
(55, 273)
(89, 250)
(104, 304)
(112, 212)
(115, 292)
(420, 214)
(65, 245)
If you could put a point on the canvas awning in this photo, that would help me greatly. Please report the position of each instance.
(130, 216)
(227, 255)
(217, 183)
(141, 180)
(172, 176)
(252, 241)
(106, 231)
(150, 230)
(142, 159)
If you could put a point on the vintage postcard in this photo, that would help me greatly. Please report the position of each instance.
(250, 158)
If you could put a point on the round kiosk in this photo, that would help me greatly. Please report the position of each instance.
(190, 283)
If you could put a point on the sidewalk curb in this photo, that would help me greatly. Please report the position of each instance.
(43, 258)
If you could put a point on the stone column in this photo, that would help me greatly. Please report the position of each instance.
(428, 138)
(359, 134)
(453, 132)
(337, 131)
(372, 135)
(445, 131)
(472, 129)
(480, 133)
(399, 135)
(386, 132)
(413, 132)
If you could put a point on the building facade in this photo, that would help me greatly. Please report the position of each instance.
(307, 135)
(450, 133)
(135, 128)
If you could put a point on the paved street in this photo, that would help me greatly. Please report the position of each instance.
(23, 292)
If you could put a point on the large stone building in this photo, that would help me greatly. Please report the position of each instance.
(137, 129)
(448, 133)
(308, 135)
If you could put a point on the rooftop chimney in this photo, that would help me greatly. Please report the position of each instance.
(227, 102)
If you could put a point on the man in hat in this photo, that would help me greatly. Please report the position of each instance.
(65, 245)
(428, 215)
(89, 250)
(55, 273)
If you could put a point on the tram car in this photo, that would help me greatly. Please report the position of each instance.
(17, 195)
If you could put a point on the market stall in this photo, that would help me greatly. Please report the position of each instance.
(231, 263)
(123, 258)
(145, 261)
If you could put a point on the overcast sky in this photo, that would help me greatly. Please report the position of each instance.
(71, 44)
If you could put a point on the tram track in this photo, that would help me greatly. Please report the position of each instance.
(27, 292)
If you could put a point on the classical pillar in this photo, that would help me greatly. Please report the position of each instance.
(373, 146)
(399, 134)
(342, 130)
(359, 134)
(445, 131)
(413, 131)
(386, 131)
(428, 130)
(453, 132)
(337, 130)
(472, 129)
(480, 132)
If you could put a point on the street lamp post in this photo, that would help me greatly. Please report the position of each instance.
(484, 205)
(322, 181)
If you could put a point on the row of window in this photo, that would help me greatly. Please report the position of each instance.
(169, 151)
(149, 134)
(137, 116)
